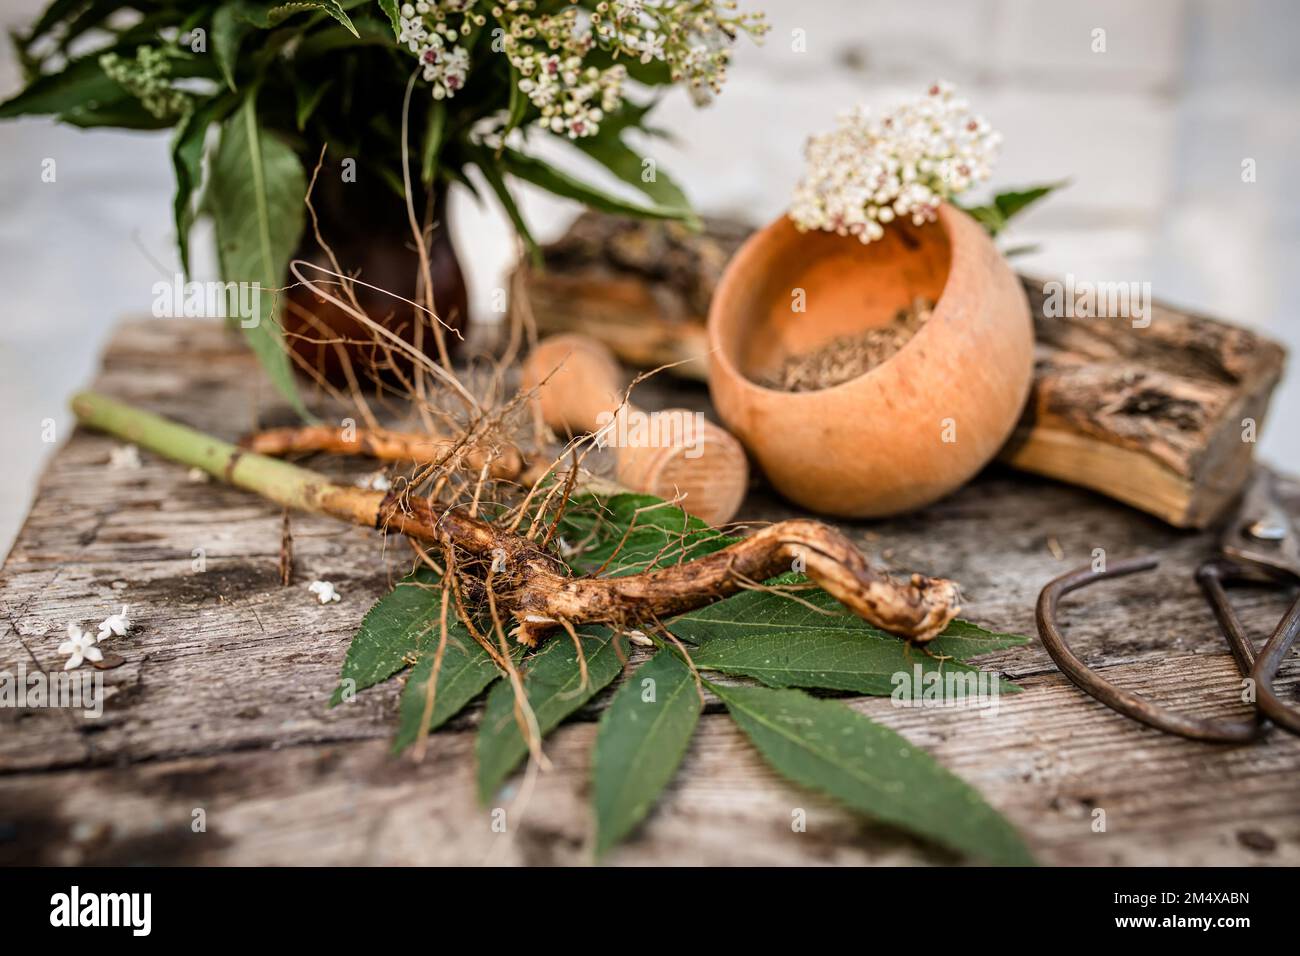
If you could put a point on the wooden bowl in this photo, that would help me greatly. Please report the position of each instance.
(915, 427)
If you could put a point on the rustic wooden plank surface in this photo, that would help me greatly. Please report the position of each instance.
(222, 703)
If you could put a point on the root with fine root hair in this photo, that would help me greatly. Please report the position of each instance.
(504, 462)
(487, 488)
(525, 580)
(540, 592)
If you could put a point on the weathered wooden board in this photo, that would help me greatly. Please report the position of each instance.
(222, 703)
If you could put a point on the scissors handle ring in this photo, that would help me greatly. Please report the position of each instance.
(1126, 702)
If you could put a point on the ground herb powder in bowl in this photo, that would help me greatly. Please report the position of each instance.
(847, 356)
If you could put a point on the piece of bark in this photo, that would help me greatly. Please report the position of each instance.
(1161, 417)
(643, 289)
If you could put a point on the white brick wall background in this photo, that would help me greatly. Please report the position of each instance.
(1151, 133)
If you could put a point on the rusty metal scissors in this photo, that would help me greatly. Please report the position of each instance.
(1260, 545)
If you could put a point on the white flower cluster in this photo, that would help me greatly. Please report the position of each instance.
(572, 99)
(903, 165)
(424, 28)
(549, 51)
(692, 37)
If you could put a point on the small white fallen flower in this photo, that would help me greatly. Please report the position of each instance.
(197, 476)
(375, 481)
(124, 458)
(117, 624)
(79, 646)
(324, 590)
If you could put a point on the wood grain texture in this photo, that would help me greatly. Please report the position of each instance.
(222, 704)
(1151, 415)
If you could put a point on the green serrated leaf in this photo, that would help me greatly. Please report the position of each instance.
(56, 11)
(553, 684)
(82, 84)
(645, 531)
(369, 31)
(256, 187)
(824, 745)
(608, 149)
(126, 113)
(227, 33)
(518, 105)
(308, 97)
(642, 738)
(1022, 250)
(266, 15)
(560, 183)
(990, 217)
(335, 10)
(30, 63)
(392, 634)
(785, 643)
(966, 639)
(196, 16)
(464, 671)
(1014, 201)
(390, 10)
(434, 134)
(187, 161)
(995, 216)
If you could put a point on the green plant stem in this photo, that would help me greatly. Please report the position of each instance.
(275, 480)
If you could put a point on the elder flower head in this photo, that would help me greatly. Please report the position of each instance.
(550, 47)
(868, 172)
(79, 646)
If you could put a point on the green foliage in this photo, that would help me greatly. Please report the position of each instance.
(627, 533)
(642, 172)
(228, 31)
(995, 216)
(255, 194)
(643, 736)
(390, 8)
(646, 729)
(539, 173)
(392, 634)
(554, 686)
(464, 671)
(187, 162)
(81, 84)
(810, 640)
(826, 746)
(308, 73)
(266, 15)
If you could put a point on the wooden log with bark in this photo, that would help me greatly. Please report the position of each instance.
(1161, 416)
